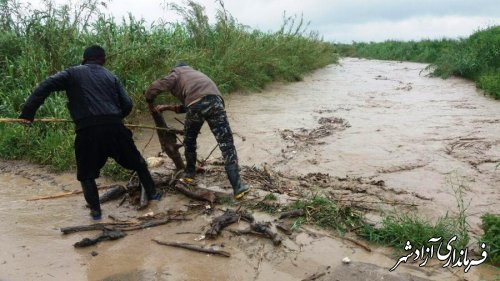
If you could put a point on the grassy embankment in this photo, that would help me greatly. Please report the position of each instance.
(36, 44)
(476, 58)
(396, 228)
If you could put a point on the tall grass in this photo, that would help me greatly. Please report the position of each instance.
(37, 43)
(491, 237)
(476, 58)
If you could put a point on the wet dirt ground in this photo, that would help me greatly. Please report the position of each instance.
(402, 136)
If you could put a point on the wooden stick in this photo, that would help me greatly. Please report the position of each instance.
(15, 120)
(229, 217)
(292, 214)
(193, 248)
(106, 235)
(66, 194)
(123, 226)
(314, 276)
(200, 195)
(174, 131)
(260, 229)
(360, 244)
(57, 120)
(95, 226)
(177, 119)
(205, 161)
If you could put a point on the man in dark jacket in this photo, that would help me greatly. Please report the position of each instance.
(97, 103)
(201, 100)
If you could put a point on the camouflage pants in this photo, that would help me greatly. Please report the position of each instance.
(211, 109)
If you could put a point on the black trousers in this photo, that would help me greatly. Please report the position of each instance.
(94, 145)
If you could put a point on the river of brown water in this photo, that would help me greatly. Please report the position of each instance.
(420, 135)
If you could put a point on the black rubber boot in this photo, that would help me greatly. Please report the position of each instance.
(190, 171)
(92, 197)
(233, 174)
(148, 183)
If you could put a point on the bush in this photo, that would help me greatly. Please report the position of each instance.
(37, 43)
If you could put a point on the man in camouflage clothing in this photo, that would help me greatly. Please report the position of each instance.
(202, 101)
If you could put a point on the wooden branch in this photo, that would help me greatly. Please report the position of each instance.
(123, 226)
(66, 194)
(47, 120)
(194, 248)
(151, 223)
(229, 217)
(58, 120)
(113, 193)
(261, 229)
(200, 195)
(171, 131)
(359, 243)
(95, 226)
(106, 235)
(292, 214)
(168, 141)
(314, 276)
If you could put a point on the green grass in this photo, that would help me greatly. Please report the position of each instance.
(491, 228)
(476, 58)
(116, 172)
(395, 230)
(327, 214)
(36, 44)
(268, 205)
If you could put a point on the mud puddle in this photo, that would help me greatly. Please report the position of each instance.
(363, 131)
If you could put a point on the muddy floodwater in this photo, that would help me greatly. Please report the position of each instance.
(408, 137)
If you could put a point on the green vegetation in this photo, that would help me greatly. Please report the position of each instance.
(268, 205)
(37, 43)
(327, 213)
(395, 230)
(476, 58)
(491, 227)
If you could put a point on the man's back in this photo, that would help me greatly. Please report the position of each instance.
(95, 95)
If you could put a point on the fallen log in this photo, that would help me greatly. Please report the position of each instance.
(194, 248)
(229, 217)
(114, 192)
(168, 141)
(292, 214)
(106, 235)
(261, 229)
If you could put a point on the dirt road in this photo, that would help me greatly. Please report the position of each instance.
(373, 120)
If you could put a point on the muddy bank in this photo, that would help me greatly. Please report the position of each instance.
(364, 130)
